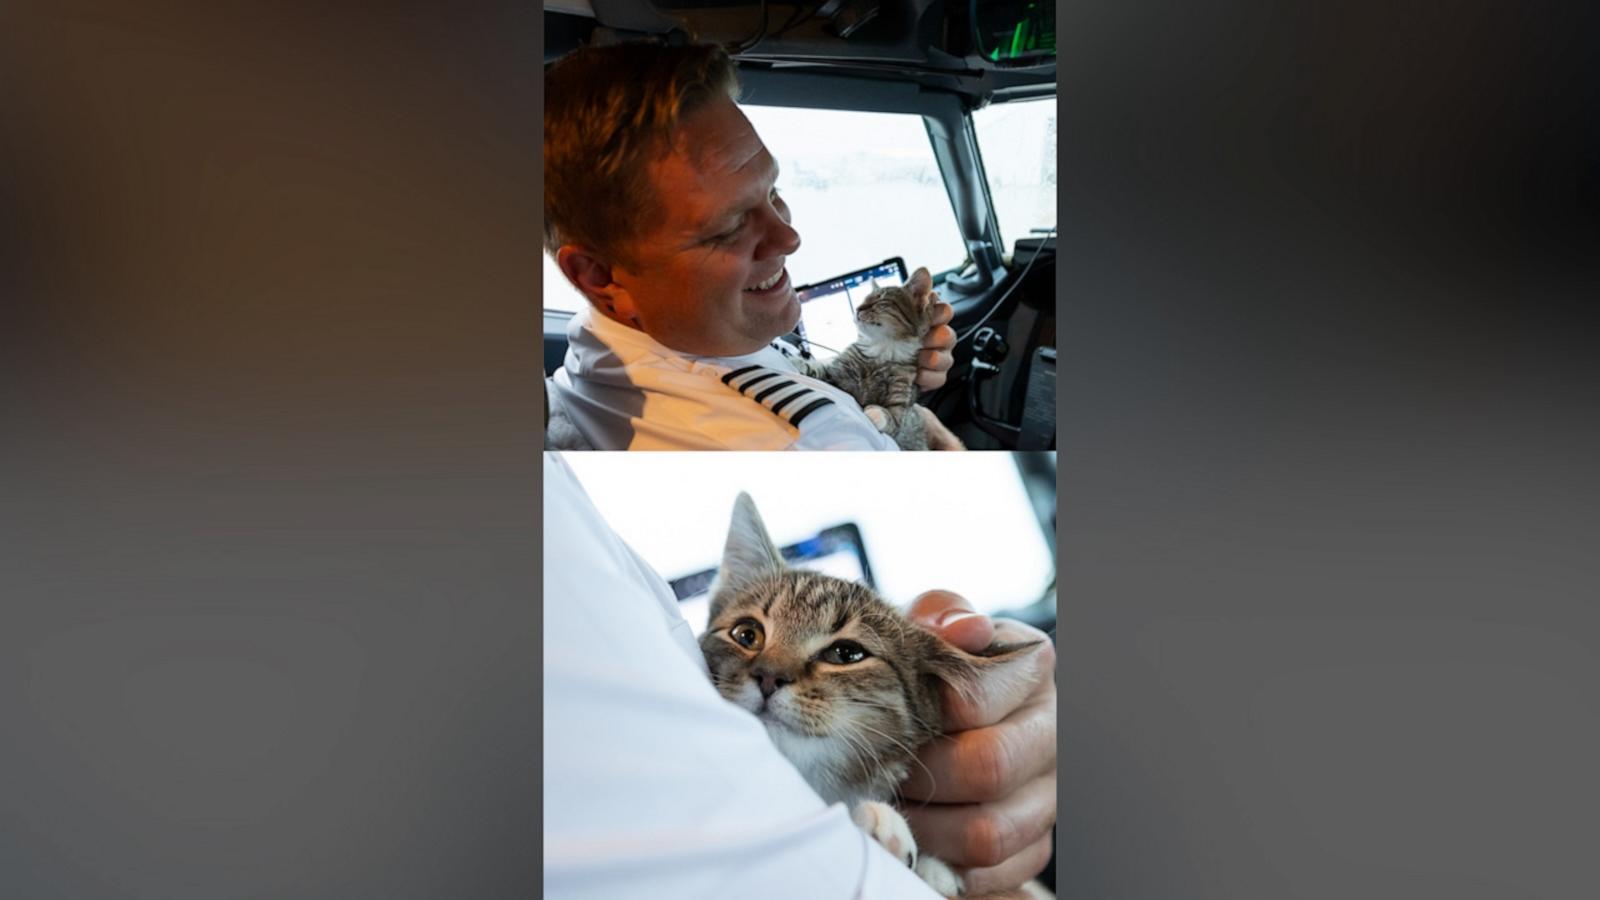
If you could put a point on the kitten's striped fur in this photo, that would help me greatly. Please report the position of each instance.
(880, 368)
(852, 728)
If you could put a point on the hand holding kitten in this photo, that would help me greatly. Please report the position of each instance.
(938, 345)
(991, 801)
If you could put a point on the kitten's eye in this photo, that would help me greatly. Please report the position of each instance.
(747, 633)
(843, 653)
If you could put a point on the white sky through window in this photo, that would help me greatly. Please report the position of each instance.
(978, 537)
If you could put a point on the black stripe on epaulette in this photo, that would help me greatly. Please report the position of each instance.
(771, 390)
(745, 388)
(803, 392)
(728, 378)
(808, 410)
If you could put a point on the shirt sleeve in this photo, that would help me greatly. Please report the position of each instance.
(654, 786)
(841, 428)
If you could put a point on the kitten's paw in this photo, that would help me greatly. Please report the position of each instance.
(878, 415)
(886, 826)
(940, 877)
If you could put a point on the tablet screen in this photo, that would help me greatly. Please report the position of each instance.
(828, 308)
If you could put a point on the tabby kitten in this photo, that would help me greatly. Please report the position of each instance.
(846, 686)
(880, 369)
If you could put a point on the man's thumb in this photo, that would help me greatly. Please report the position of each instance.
(951, 617)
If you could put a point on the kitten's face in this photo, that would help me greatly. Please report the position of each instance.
(818, 656)
(892, 314)
(846, 686)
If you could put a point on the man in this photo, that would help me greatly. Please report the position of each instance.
(662, 209)
(656, 787)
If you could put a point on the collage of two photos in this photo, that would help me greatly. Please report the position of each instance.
(776, 674)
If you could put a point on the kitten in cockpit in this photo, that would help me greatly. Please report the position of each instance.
(880, 368)
(846, 686)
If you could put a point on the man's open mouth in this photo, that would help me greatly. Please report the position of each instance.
(776, 279)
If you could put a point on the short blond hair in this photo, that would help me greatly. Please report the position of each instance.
(608, 112)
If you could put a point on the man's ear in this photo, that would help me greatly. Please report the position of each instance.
(591, 274)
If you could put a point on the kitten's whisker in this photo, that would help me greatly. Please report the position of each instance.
(894, 709)
(858, 749)
(932, 782)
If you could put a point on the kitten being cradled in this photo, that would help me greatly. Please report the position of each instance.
(846, 686)
(880, 369)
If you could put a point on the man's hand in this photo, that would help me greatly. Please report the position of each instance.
(938, 345)
(939, 437)
(990, 784)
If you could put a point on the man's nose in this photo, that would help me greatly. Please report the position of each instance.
(770, 682)
(782, 239)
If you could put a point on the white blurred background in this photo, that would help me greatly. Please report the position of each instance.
(928, 520)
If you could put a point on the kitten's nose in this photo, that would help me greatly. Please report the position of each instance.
(770, 683)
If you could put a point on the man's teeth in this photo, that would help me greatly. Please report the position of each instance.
(768, 284)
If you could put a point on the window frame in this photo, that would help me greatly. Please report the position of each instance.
(1015, 95)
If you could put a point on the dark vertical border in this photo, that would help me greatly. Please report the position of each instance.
(536, 279)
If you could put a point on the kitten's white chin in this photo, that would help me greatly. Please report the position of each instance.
(874, 344)
(819, 759)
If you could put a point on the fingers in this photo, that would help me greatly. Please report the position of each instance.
(1000, 691)
(929, 380)
(933, 367)
(939, 437)
(935, 360)
(987, 835)
(936, 356)
(951, 617)
(990, 881)
(985, 764)
(940, 336)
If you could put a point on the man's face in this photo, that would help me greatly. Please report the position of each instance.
(725, 231)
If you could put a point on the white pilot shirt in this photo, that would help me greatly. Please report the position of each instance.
(620, 389)
(654, 786)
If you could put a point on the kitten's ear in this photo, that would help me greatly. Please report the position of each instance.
(968, 673)
(920, 285)
(749, 552)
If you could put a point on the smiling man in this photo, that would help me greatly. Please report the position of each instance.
(662, 208)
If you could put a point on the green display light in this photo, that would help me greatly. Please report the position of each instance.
(1019, 32)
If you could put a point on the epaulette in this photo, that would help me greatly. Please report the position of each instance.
(778, 392)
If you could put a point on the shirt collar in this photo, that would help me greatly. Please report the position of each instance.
(632, 345)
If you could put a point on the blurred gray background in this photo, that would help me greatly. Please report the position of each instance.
(269, 419)
(1329, 487)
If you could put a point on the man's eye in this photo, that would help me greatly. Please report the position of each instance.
(747, 634)
(727, 237)
(843, 653)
